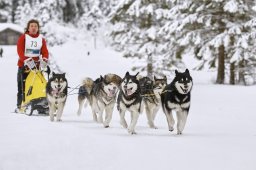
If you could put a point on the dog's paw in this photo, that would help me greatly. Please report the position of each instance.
(179, 133)
(171, 129)
(106, 125)
(153, 126)
(59, 120)
(51, 118)
(132, 132)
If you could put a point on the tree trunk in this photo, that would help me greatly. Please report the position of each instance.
(150, 66)
(232, 73)
(221, 65)
(14, 8)
(241, 78)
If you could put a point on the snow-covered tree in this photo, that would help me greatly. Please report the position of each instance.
(215, 31)
(50, 16)
(107, 6)
(15, 4)
(136, 33)
(70, 11)
(93, 19)
(5, 11)
(23, 13)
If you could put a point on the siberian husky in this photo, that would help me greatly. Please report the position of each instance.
(150, 91)
(56, 93)
(101, 95)
(176, 96)
(129, 98)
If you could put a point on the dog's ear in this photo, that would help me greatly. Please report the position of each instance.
(187, 71)
(64, 74)
(155, 78)
(118, 80)
(101, 78)
(106, 79)
(53, 73)
(176, 72)
(127, 73)
(138, 77)
(165, 79)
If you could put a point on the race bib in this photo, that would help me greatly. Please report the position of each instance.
(33, 46)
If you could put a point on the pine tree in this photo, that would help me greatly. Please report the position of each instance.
(94, 17)
(217, 32)
(107, 6)
(5, 10)
(23, 13)
(15, 4)
(135, 32)
(70, 11)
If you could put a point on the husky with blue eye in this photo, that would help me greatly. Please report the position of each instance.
(56, 93)
(129, 98)
(176, 97)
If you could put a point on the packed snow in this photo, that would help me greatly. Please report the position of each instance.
(220, 133)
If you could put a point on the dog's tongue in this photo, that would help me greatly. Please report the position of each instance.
(111, 93)
(55, 92)
(185, 90)
(129, 92)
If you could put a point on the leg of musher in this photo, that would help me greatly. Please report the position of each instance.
(24, 75)
(20, 85)
(21, 77)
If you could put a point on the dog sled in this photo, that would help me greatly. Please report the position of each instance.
(34, 94)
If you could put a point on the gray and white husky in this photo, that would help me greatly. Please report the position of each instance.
(150, 91)
(56, 94)
(101, 95)
(129, 98)
(176, 97)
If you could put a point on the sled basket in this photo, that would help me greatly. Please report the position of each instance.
(35, 93)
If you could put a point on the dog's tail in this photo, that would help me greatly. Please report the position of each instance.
(88, 83)
(85, 93)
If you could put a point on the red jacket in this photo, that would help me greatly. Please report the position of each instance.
(21, 50)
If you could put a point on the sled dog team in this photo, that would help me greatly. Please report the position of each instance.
(132, 93)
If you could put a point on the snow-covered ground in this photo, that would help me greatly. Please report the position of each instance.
(220, 133)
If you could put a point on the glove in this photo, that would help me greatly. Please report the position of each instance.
(30, 63)
(43, 64)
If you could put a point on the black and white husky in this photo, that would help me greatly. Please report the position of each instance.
(150, 92)
(129, 98)
(101, 95)
(56, 93)
(176, 96)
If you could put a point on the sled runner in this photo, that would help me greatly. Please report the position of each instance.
(34, 96)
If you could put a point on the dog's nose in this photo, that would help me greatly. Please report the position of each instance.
(58, 85)
(186, 86)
